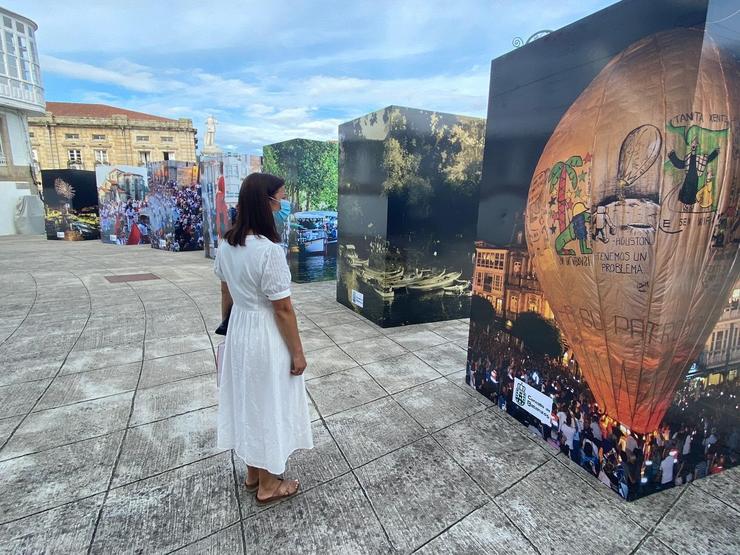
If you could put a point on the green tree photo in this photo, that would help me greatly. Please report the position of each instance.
(310, 170)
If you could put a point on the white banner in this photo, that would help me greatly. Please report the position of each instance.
(534, 402)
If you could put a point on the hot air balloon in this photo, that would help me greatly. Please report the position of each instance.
(633, 232)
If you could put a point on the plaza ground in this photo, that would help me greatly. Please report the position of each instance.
(107, 426)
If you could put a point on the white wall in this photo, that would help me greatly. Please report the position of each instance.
(9, 195)
(19, 148)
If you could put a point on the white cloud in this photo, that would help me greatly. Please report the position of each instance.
(270, 71)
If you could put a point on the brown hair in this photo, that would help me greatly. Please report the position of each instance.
(253, 213)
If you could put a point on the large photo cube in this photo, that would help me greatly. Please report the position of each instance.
(175, 206)
(221, 177)
(310, 235)
(605, 311)
(122, 196)
(70, 205)
(408, 199)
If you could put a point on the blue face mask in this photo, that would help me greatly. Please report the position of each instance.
(284, 212)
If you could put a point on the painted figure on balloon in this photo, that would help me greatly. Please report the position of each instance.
(600, 224)
(694, 163)
(563, 174)
(576, 231)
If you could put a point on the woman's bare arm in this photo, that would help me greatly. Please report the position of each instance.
(226, 300)
(286, 321)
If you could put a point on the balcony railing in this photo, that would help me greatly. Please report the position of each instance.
(15, 89)
(714, 359)
(3, 160)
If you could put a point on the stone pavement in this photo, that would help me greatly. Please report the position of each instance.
(107, 427)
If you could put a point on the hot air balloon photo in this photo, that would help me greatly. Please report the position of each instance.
(625, 254)
(607, 279)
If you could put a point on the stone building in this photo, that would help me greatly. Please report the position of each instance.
(720, 359)
(505, 276)
(71, 135)
(21, 96)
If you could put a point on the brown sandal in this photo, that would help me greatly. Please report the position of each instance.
(251, 488)
(278, 496)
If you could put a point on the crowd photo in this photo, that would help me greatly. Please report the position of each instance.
(697, 437)
(176, 222)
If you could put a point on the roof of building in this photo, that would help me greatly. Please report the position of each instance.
(73, 109)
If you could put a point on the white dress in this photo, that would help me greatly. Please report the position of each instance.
(262, 408)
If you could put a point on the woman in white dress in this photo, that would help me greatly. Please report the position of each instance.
(262, 408)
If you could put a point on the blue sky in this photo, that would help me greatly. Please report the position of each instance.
(271, 71)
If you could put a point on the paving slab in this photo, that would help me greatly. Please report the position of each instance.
(695, 511)
(373, 349)
(177, 367)
(446, 359)
(415, 494)
(437, 404)
(83, 386)
(559, 513)
(170, 510)
(166, 444)
(50, 478)
(401, 372)
(483, 532)
(163, 401)
(343, 390)
(334, 518)
(70, 423)
(372, 430)
(66, 529)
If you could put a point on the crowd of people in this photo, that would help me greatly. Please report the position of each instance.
(175, 214)
(119, 218)
(696, 438)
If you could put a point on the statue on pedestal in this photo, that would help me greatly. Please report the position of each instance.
(209, 146)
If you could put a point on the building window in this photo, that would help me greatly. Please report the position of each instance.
(142, 138)
(498, 282)
(3, 160)
(74, 155)
(71, 135)
(101, 156)
(144, 156)
(498, 260)
(168, 139)
(10, 56)
(478, 279)
(7, 22)
(514, 304)
(98, 137)
(718, 340)
(30, 134)
(487, 282)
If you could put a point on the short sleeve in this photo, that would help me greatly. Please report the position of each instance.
(217, 265)
(276, 274)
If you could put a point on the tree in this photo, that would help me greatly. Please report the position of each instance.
(561, 173)
(310, 171)
(540, 336)
(482, 312)
(461, 153)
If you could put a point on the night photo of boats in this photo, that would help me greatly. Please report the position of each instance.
(408, 193)
(309, 169)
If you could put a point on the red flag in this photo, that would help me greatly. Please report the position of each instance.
(134, 237)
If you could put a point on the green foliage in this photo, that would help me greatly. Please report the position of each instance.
(310, 171)
(451, 149)
(540, 336)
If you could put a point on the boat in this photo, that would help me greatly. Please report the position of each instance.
(460, 287)
(437, 282)
(384, 292)
(376, 275)
(349, 253)
(314, 230)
